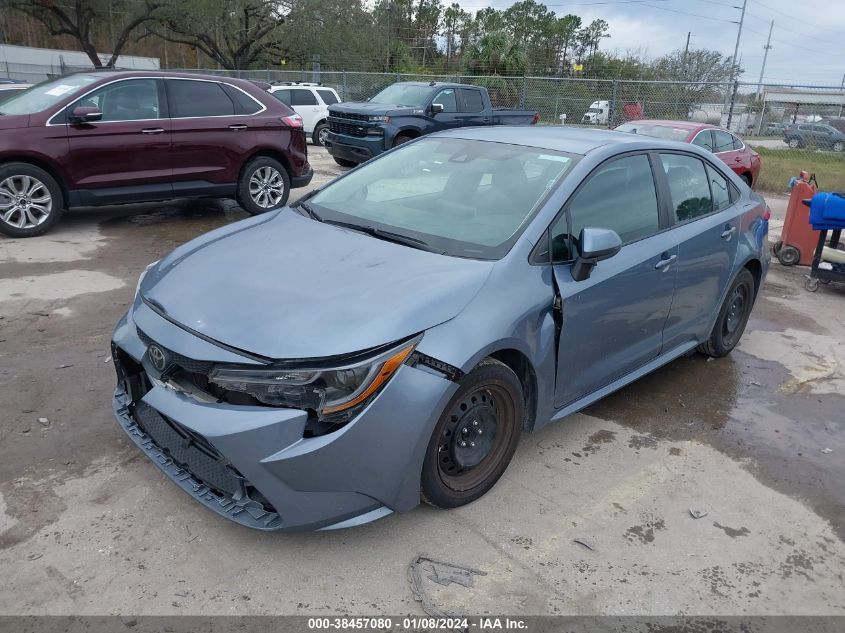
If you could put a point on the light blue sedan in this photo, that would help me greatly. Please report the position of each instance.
(391, 336)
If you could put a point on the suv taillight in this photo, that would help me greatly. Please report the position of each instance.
(294, 121)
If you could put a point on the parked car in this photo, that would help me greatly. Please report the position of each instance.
(775, 129)
(311, 101)
(393, 334)
(731, 149)
(407, 110)
(100, 138)
(819, 135)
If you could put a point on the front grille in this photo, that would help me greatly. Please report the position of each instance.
(188, 364)
(189, 450)
(349, 115)
(352, 129)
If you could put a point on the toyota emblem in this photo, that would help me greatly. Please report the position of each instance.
(157, 357)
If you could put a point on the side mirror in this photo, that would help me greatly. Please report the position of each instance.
(85, 114)
(595, 245)
(436, 108)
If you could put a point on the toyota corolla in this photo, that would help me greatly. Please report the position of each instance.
(391, 336)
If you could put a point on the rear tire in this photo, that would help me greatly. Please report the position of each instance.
(838, 146)
(733, 317)
(475, 438)
(264, 186)
(746, 179)
(344, 163)
(794, 143)
(318, 136)
(31, 200)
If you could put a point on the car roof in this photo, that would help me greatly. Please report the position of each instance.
(681, 125)
(573, 140)
(128, 74)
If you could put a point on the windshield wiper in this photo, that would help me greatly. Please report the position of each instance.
(310, 211)
(388, 236)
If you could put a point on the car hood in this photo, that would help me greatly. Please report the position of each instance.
(14, 121)
(291, 288)
(373, 109)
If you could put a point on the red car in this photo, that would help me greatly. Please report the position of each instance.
(100, 138)
(727, 146)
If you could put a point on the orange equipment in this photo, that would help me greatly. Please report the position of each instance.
(798, 239)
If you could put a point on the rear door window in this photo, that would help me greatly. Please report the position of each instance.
(722, 141)
(688, 185)
(302, 97)
(704, 139)
(328, 97)
(471, 100)
(189, 98)
(620, 196)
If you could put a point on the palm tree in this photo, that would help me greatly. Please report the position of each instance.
(496, 54)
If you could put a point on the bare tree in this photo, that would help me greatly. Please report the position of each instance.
(76, 18)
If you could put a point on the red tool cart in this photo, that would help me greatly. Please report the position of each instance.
(798, 239)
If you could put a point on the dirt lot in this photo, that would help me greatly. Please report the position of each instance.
(756, 440)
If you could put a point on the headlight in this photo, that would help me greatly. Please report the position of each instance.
(379, 119)
(144, 274)
(325, 390)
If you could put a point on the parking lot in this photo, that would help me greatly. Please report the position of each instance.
(596, 515)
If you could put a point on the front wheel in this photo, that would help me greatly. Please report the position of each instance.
(733, 317)
(320, 134)
(344, 163)
(838, 146)
(264, 186)
(794, 143)
(30, 200)
(475, 438)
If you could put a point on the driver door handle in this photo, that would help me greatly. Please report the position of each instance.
(665, 262)
(152, 130)
(728, 233)
(237, 126)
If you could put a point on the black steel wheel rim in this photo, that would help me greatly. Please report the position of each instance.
(737, 308)
(475, 437)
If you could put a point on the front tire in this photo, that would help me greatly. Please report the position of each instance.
(31, 200)
(794, 143)
(475, 438)
(344, 163)
(264, 185)
(321, 132)
(733, 317)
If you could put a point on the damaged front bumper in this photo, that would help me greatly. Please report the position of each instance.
(254, 464)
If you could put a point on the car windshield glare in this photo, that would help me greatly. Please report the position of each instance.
(46, 94)
(401, 94)
(664, 132)
(466, 198)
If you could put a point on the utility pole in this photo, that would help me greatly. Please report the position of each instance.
(765, 56)
(684, 61)
(842, 88)
(739, 33)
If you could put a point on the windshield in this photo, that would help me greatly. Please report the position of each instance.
(667, 133)
(466, 198)
(411, 95)
(45, 95)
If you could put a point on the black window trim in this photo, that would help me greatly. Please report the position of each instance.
(215, 116)
(541, 254)
(661, 175)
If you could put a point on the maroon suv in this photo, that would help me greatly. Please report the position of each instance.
(101, 138)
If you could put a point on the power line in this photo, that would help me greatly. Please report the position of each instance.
(695, 15)
(794, 17)
(794, 32)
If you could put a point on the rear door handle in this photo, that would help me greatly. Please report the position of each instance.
(728, 233)
(152, 130)
(237, 126)
(665, 262)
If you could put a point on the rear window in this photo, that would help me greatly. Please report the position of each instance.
(666, 132)
(302, 97)
(244, 102)
(722, 141)
(189, 98)
(328, 97)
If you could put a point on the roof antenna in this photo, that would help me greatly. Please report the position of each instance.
(432, 83)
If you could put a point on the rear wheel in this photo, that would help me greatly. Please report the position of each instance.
(30, 200)
(733, 317)
(344, 163)
(264, 186)
(746, 178)
(838, 146)
(475, 438)
(794, 143)
(321, 132)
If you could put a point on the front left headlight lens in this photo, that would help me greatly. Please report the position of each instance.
(327, 391)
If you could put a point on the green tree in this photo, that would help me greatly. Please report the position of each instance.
(496, 54)
(78, 19)
(236, 34)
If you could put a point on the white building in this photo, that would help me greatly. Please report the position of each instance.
(38, 64)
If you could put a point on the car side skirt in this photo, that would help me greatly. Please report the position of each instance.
(153, 192)
(649, 367)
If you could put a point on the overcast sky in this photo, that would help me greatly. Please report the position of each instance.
(808, 41)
